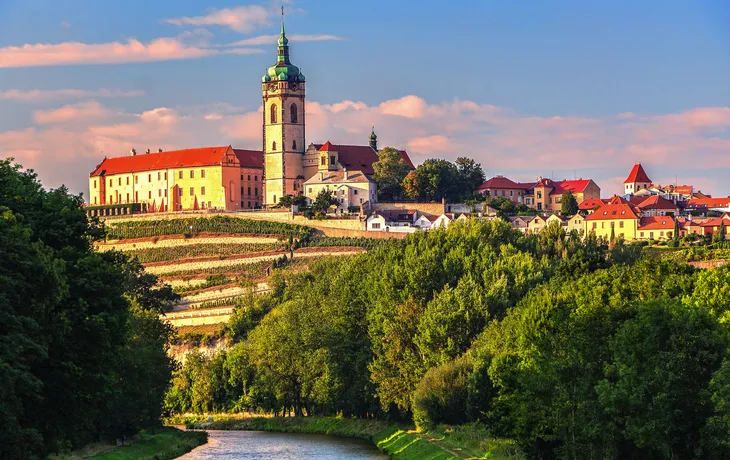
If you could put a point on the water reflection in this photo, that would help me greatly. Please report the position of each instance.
(229, 445)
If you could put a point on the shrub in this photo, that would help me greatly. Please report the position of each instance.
(441, 395)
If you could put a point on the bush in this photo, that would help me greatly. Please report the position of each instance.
(442, 393)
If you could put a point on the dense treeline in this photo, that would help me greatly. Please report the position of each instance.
(83, 355)
(193, 225)
(572, 348)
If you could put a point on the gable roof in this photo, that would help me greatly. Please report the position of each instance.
(499, 182)
(657, 202)
(359, 157)
(327, 147)
(205, 156)
(709, 203)
(592, 203)
(656, 223)
(572, 186)
(613, 211)
(250, 158)
(333, 177)
(637, 174)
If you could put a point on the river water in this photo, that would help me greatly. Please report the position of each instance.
(230, 445)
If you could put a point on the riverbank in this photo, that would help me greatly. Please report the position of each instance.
(165, 443)
(400, 442)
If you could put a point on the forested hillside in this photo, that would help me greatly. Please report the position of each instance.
(83, 355)
(572, 348)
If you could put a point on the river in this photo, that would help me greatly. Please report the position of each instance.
(230, 445)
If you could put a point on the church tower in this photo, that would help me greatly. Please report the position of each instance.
(282, 89)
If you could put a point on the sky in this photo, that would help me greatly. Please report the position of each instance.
(561, 89)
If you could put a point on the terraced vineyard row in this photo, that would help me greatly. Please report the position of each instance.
(157, 242)
(196, 250)
(191, 226)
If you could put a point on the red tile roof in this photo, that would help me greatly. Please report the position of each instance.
(656, 223)
(250, 158)
(613, 211)
(573, 186)
(709, 203)
(593, 203)
(637, 174)
(616, 200)
(206, 156)
(500, 182)
(359, 157)
(327, 147)
(716, 221)
(657, 202)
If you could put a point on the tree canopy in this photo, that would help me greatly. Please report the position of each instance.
(389, 172)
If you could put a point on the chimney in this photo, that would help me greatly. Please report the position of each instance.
(132, 152)
(345, 174)
(147, 151)
(159, 150)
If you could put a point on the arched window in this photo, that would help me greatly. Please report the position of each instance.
(273, 113)
(293, 145)
(293, 113)
(273, 145)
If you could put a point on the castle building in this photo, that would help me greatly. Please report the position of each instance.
(205, 178)
(234, 179)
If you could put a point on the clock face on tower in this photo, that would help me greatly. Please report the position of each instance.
(294, 86)
(272, 87)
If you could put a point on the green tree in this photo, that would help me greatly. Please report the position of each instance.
(389, 172)
(470, 174)
(433, 180)
(441, 396)
(323, 201)
(287, 201)
(568, 204)
(719, 235)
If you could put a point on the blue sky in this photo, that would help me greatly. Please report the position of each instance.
(569, 88)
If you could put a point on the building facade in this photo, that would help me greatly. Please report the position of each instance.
(204, 178)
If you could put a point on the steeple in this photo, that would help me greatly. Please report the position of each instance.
(283, 70)
(373, 139)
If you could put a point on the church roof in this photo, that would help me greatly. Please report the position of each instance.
(327, 147)
(360, 157)
(205, 156)
(637, 174)
(249, 158)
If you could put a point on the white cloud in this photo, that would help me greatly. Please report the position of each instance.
(74, 53)
(244, 19)
(77, 113)
(272, 39)
(35, 95)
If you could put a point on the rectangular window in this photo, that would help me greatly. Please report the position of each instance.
(249, 177)
(149, 195)
(209, 206)
(603, 225)
(127, 180)
(94, 200)
(202, 190)
(256, 191)
(192, 191)
(355, 191)
(310, 189)
(165, 175)
(511, 193)
(159, 192)
(94, 183)
(179, 191)
(202, 173)
(119, 181)
(241, 190)
(127, 197)
(256, 178)
(249, 190)
(192, 174)
(241, 179)
(136, 179)
(621, 224)
(158, 175)
(110, 183)
(136, 197)
(179, 175)
(249, 204)
(539, 195)
(165, 193)
(376, 225)
(110, 199)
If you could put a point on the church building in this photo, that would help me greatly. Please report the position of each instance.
(231, 179)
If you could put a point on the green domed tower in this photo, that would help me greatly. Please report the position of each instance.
(282, 89)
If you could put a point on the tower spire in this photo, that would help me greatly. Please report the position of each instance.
(282, 21)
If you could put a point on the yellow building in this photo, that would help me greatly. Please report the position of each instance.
(617, 215)
(546, 194)
(203, 178)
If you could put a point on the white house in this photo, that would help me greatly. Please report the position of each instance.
(443, 221)
(376, 223)
(424, 222)
(349, 188)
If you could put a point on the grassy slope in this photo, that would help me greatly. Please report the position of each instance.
(399, 441)
(162, 444)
